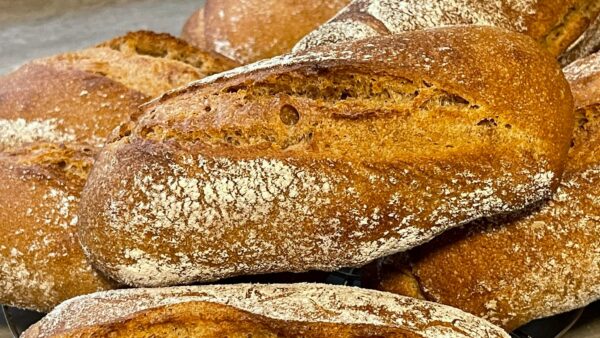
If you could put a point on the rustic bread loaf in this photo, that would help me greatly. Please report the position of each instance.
(588, 43)
(148, 62)
(250, 30)
(55, 114)
(536, 263)
(245, 310)
(193, 30)
(168, 47)
(328, 159)
(555, 24)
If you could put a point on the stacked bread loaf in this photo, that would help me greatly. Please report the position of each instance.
(300, 310)
(55, 114)
(383, 133)
(535, 263)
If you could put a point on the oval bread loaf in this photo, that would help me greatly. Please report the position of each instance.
(244, 310)
(328, 159)
(55, 114)
(537, 263)
(555, 24)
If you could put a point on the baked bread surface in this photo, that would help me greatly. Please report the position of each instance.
(536, 263)
(55, 115)
(328, 159)
(252, 30)
(242, 310)
(555, 24)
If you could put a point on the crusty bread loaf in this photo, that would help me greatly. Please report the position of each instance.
(250, 30)
(330, 158)
(55, 114)
(537, 263)
(167, 47)
(193, 30)
(588, 43)
(148, 62)
(245, 310)
(51, 124)
(555, 24)
(40, 103)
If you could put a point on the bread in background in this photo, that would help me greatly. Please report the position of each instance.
(251, 30)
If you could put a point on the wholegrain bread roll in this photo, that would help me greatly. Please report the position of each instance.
(244, 310)
(536, 263)
(555, 24)
(328, 159)
(251, 30)
(55, 114)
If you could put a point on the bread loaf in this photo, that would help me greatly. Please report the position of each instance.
(193, 30)
(148, 62)
(55, 114)
(555, 24)
(588, 43)
(250, 30)
(244, 310)
(536, 263)
(328, 159)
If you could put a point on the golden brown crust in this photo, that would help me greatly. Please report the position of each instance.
(167, 47)
(52, 123)
(193, 30)
(71, 105)
(536, 263)
(555, 24)
(253, 171)
(243, 310)
(55, 113)
(41, 261)
(251, 30)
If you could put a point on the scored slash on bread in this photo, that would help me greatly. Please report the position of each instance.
(244, 310)
(555, 24)
(537, 263)
(330, 158)
(55, 114)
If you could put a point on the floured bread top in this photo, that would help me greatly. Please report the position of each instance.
(555, 23)
(409, 15)
(286, 302)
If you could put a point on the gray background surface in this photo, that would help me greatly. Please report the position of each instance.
(36, 28)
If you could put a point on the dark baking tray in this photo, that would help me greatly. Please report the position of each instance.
(553, 327)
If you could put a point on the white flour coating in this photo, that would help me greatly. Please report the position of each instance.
(313, 303)
(248, 197)
(409, 15)
(583, 68)
(338, 32)
(14, 133)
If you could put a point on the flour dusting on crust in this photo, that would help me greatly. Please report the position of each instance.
(18, 132)
(297, 302)
(409, 15)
